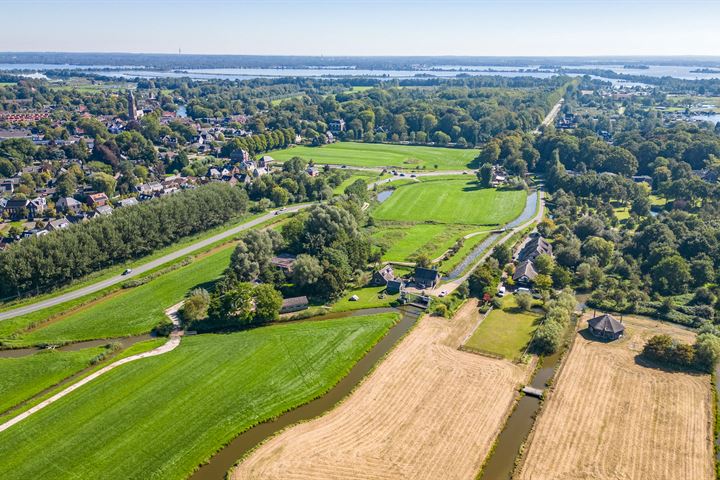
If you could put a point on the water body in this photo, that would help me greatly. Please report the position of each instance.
(529, 211)
(474, 254)
(222, 461)
(714, 118)
(384, 195)
(73, 347)
(501, 463)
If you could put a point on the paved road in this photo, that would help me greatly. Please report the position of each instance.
(550, 116)
(143, 268)
(170, 345)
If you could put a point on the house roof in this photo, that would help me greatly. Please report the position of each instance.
(426, 274)
(606, 323)
(16, 203)
(283, 260)
(294, 301)
(387, 273)
(525, 269)
(536, 246)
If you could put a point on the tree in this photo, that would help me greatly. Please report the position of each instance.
(707, 352)
(544, 264)
(102, 182)
(267, 303)
(503, 254)
(543, 283)
(599, 248)
(524, 301)
(196, 306)
(484, 279)
(547, 338)
(485, 175)
(671, 276)
(423, 261)
(358, 189)
(306, 270)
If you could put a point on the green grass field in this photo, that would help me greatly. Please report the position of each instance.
(368, 298)
(405, 242)
(23, 377)
(505, 332)
(382, 155)
(160, 417)
(127, 312)
(369, 177)
(458, 201)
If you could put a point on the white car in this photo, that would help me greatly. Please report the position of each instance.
(127, 271)
(442, 294)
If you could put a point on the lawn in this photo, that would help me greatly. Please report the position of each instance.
(127, 311)
(368, 298)
(405, 242)
(452, 201)
(369, 177)
(162, 416)
(505, 332)
(383, 155)
(23, 377)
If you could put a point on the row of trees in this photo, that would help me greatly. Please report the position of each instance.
(47, 262)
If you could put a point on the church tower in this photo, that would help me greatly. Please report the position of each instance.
(132, 108)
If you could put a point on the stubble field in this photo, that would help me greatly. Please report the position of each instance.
(429, 411)
(611, 417)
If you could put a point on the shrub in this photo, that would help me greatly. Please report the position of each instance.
(524, 301)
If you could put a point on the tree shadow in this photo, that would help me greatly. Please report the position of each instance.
(642, 361)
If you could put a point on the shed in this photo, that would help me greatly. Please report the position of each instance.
(606, 327)
(294, 304)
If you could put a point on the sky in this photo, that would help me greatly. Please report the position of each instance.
(364, 27)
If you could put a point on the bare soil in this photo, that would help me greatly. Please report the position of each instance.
(429, 411)
(613, 416)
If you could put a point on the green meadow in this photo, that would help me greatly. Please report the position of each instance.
(160, 417)
(505, 331)
(458, 201)
(23, 377)
(382, 155)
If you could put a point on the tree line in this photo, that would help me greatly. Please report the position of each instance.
(47, 262)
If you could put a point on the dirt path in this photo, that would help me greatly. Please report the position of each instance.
(170, 345)
(612, 417)
(429, 411)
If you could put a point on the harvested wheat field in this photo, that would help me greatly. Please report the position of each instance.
(612, 418)
(428, 411)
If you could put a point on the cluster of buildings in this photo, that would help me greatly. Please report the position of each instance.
(525, 272)
(241, 169)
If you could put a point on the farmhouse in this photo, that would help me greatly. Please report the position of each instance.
(382, 276)
(426, 277)
(386, 276)
(294, 304)
(606, 327)
(337, 126)
(535, 247)
(525, 273)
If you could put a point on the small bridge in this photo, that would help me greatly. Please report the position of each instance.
(532, 391)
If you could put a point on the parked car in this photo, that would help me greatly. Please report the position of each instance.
(501, 291)
(443, 293)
